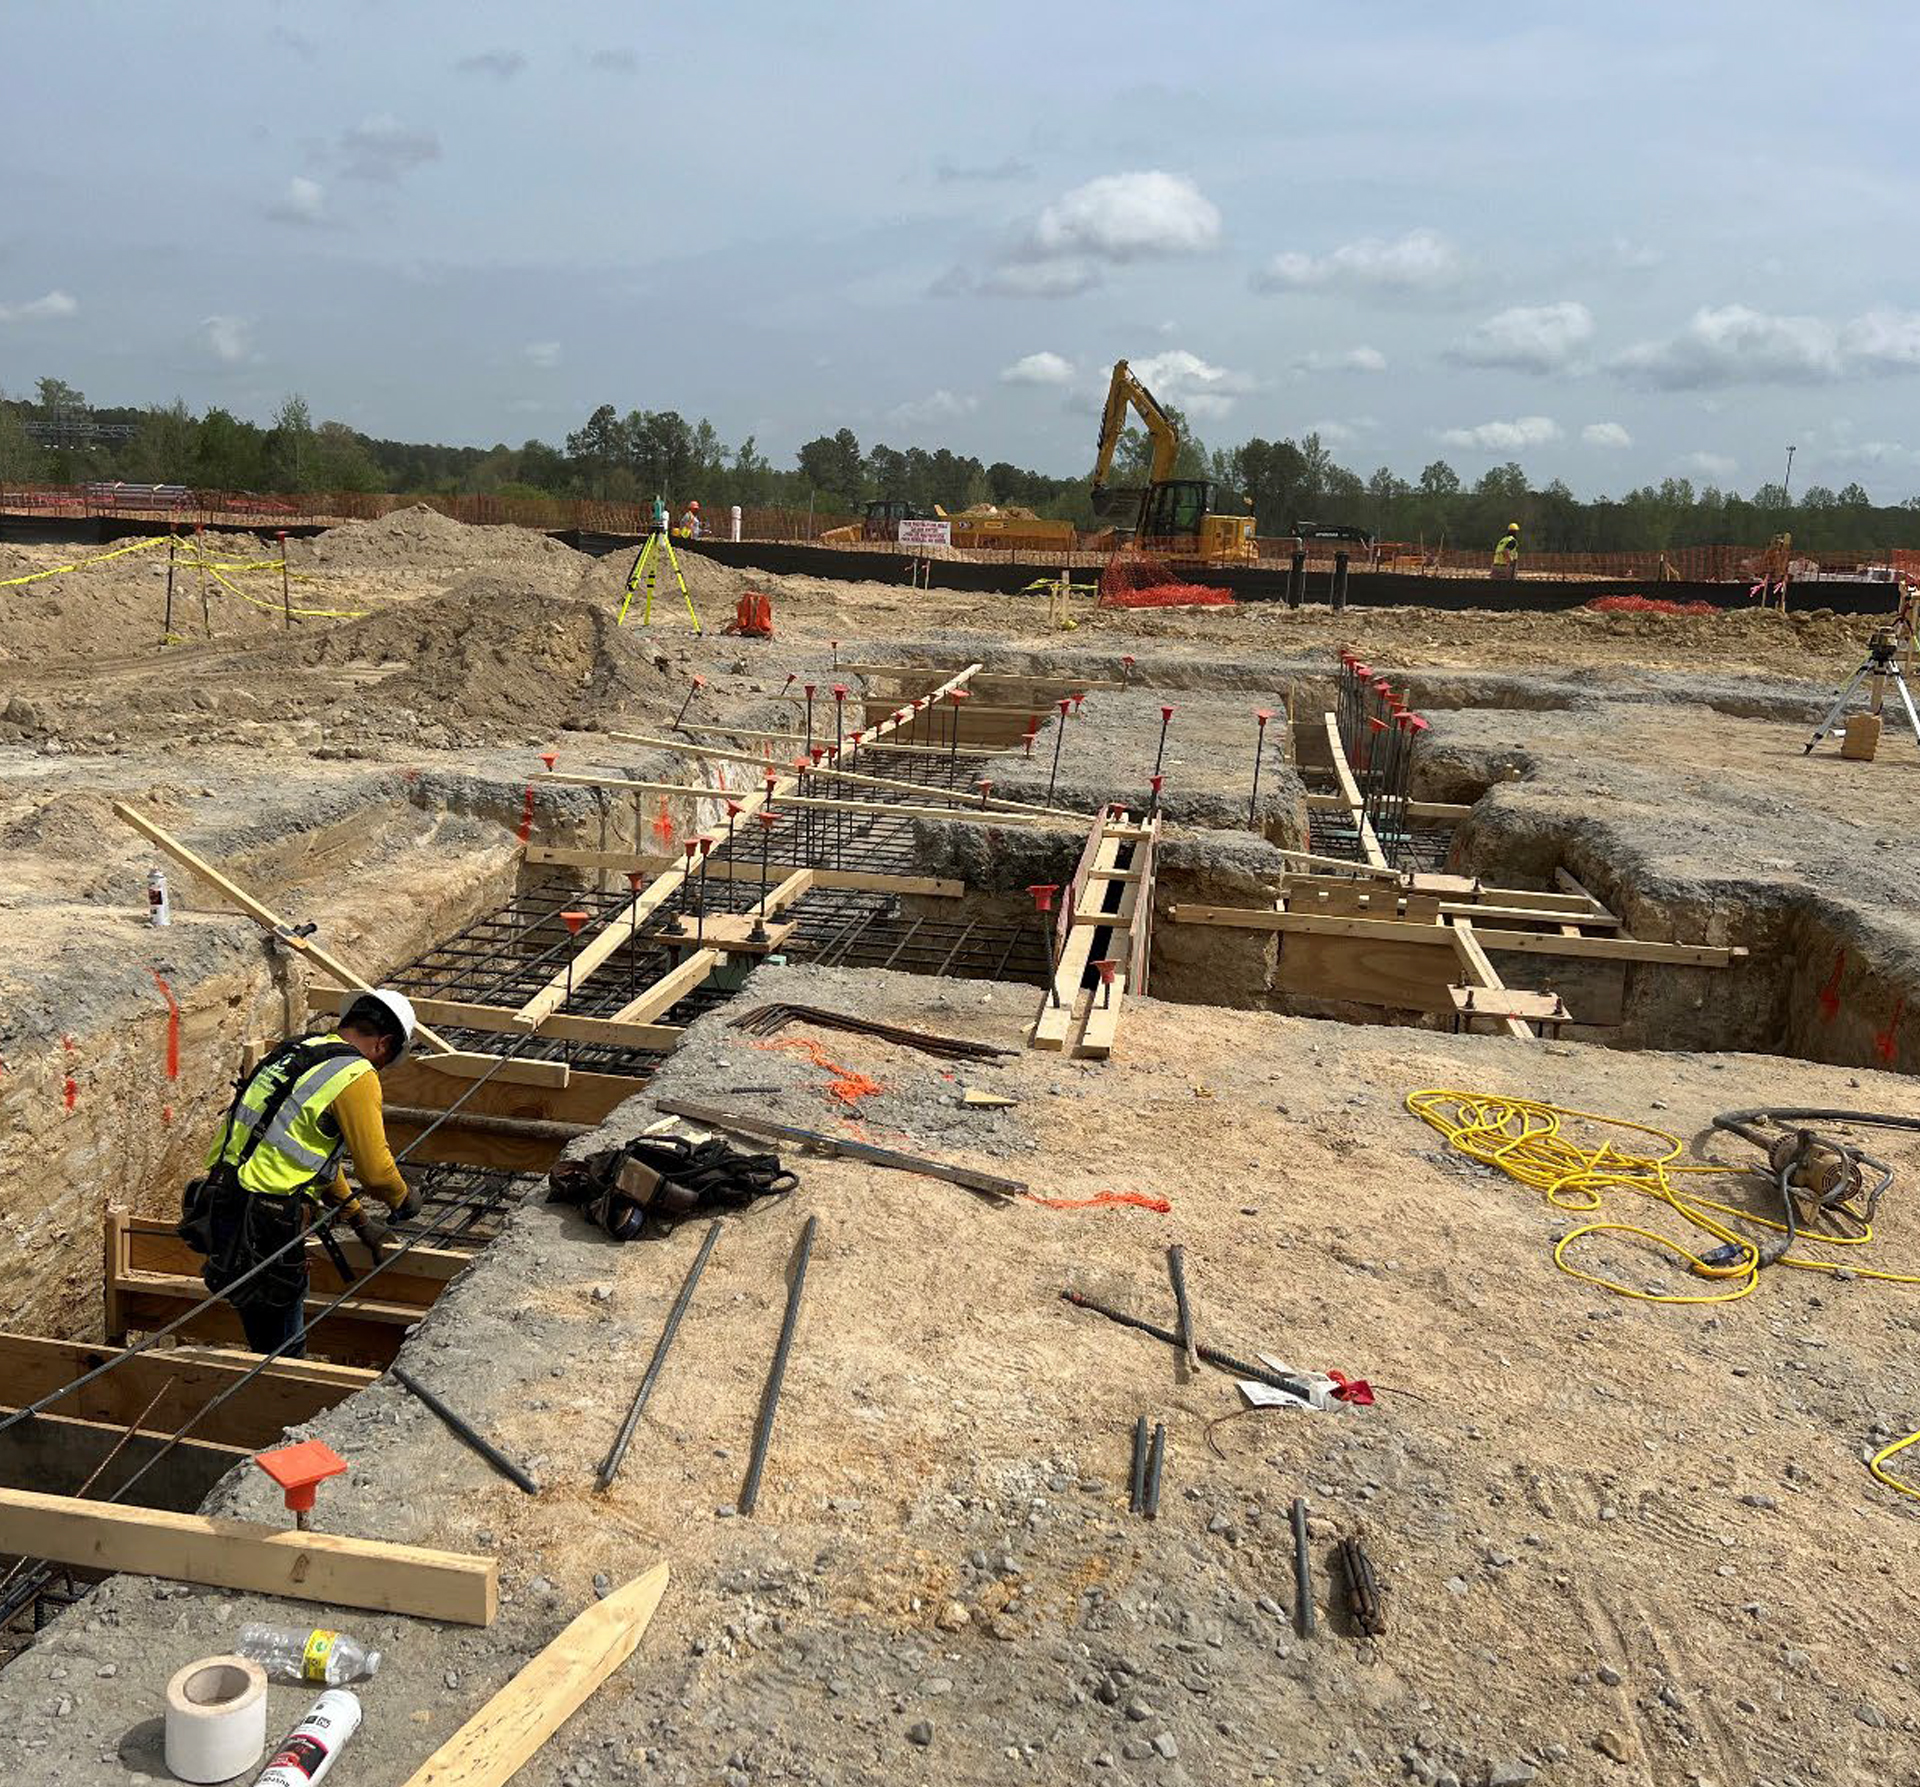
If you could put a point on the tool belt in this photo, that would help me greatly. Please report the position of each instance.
(666, 1174)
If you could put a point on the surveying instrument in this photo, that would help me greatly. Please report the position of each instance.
(1885, 650)
(646, 571)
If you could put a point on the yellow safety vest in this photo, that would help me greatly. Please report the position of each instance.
(302, 1144)
(1507, 550)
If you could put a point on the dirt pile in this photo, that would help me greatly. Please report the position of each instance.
(714, 587)
(420, 538)
(495, 659)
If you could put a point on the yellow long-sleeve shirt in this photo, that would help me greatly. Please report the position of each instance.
(360, 1113)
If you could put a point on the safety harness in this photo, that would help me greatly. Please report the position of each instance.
(668, 1173)
(232, 1226)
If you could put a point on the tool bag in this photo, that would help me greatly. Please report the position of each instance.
(220, 1218)
(667, 1173)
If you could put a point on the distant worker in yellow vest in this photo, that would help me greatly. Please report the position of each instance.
(689, 528)
(312, 1101)
(1506, 554)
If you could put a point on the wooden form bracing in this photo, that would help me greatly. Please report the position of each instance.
(287, 1393)
(151, 1277)
(1426, 945)
(594, 953)
(327, 1568)
(1110, 896)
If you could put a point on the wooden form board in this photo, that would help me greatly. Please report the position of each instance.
(1349, 898)
(321, 1567)
(987, 679)
(457, 1014)
(934, 887)
(593, 954)
(1499, 941)
(497, 1742)
(1441, 812)
(1350, 796)
(585, 1098)
(1130, 921)
(221, 1455)
(286, 1394)
(1479, 972)
(367, 1329)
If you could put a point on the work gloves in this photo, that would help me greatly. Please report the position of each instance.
(409, 1206)
(369, 1224)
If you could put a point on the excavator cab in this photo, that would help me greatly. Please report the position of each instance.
(1178, 520)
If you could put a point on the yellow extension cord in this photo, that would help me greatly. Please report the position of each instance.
(1523, 1138)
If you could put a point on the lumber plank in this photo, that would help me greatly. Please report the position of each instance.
(1480, 971)
(1350, 793)
(1102, 1025)
(1596, 906)
(585, 1098)
(1604, 949)
(671, 987)
(154, 1245)
(329, 1568)
(1440, 811)
(458, 1014)
(222, 1454)
(931, 886)
(1053, 1022)
(497, 1742)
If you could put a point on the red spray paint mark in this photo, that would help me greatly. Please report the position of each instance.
(526, 816)
(173, 1038)
(663, 825)
(1885, 1042)
(70, 1089)
(1830, 993)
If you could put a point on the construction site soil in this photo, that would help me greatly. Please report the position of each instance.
(1619, 1540)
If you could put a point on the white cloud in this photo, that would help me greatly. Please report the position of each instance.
(1882, 341)
(1606, 434)
(1711, 465)
(304, 202)
(1528, 338)
(937, 406)
(1043, 368)
(228, 338)
(48, 308)
(1736, 345)
(381, 150)
(1034, 279)
(1353, 359)
(1421, 260)
(1124, 217)
(1504, 437)
(503, 65)
(1190, 383)
(542, 353)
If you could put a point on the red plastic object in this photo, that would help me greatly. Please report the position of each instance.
(1078, 699)
(549, 758)
(1043, 895)
(1156, 782)
(635, 880)
(1166, 715)
(300, 1470)
(839, 691)
(1107, 965)
(1263, 715)
(574, 920)
(733, 809)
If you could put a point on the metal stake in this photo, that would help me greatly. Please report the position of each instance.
(1183, 1311)
(1139, 1496)
(1263, 715)
(1156, 1458)
(1059, 734)
(286, 594)
(1302, 1570)
(166, 625)
(770, 1398)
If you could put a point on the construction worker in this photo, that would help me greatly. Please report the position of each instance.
(690, 522)
(278, 1154)
(1506, 554)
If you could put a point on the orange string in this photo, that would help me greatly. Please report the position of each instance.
(848, 1086)
(1139, 1200)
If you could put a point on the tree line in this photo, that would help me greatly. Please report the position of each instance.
(57, 436)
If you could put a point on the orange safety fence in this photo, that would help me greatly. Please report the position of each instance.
(1139, 580)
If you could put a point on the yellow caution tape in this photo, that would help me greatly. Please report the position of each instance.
(81, 564)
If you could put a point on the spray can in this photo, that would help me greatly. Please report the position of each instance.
(311, 1746)
(159, 906)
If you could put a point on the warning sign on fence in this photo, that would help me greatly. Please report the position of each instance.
(926, 533)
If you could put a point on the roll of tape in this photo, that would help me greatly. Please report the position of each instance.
(216, 1719)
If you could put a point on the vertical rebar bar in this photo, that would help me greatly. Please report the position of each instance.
(286, 593)
(1259, 751)
(1139, 1497)
(1302, 1570)
(1156, 1460)
(166, 624)
(770, 1398)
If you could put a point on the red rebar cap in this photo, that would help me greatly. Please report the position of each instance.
(635, 880)
(1360, 669)
(733, 809)
(1418, 724)
(706, 844)
(549, 758)
(1078, 699)
(1378, 724)
(766, 819)
(300, 1470)
(1107, 965)
(574, 921)
(1043, 895)
(959, 694)
(1263, 714)
(690, 847)
(983, 784)
(839, 691)
(1156, 783)
(1065, 702)
(1166, 714)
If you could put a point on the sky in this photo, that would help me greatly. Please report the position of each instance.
(1612, 243)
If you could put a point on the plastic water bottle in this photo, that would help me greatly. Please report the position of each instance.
(290, 1654)
(311, 1747)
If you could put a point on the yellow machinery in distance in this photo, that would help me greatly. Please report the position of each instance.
(1174, 517)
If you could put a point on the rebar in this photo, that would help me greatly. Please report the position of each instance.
(770, 1398)
(769, 1020)
(1156, 1459)
(1302, 1570)
(1139, 1474)
(464, 1431)
(1363, 1588)
(1177, 1271)
(1258, 1374)
(610, 1466)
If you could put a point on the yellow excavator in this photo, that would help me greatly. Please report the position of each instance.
(1173, 517)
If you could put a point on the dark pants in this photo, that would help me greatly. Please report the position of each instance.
(269, 1324)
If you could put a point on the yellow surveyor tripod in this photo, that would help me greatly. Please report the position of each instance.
(646, 571)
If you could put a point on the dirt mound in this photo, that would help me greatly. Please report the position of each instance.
(714, 587)
(496, 659)
(421, 538)
(71, 826)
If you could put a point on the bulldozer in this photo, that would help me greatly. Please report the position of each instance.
(1173, 518)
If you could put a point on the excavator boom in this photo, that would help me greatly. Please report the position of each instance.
(1126, 392)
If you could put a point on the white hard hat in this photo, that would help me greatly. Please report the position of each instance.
(395, 1009)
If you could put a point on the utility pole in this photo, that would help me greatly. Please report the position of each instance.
(1786, 489)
